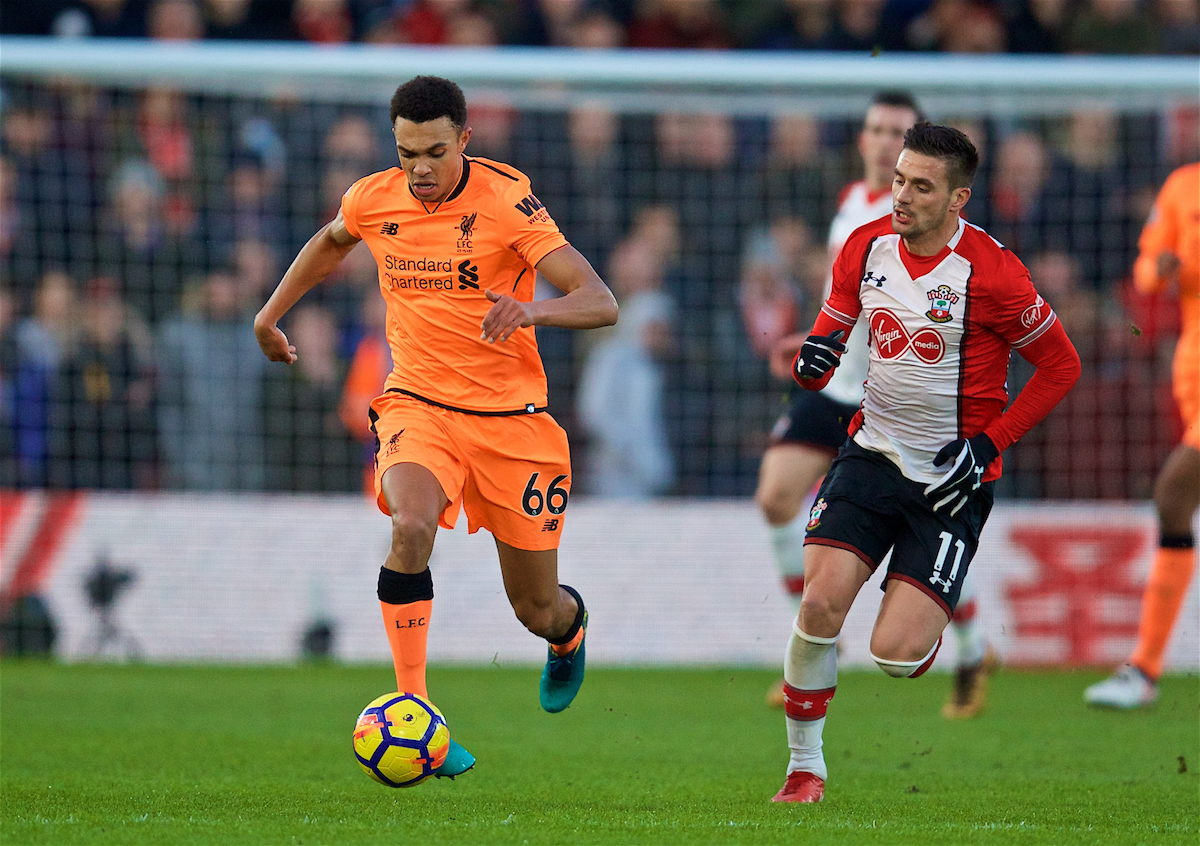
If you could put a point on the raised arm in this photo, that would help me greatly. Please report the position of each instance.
(586, 302)
(316, 260)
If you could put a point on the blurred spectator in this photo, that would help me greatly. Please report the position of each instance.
(471, 28)
(252, 206)
(18, 233)
(596, 30)
(1014, 213)
(1038, 26)
(1178, 26)
(92, 18)
(770, 298)
(8, 367)
(1102, 441)
(857, 26)
(1111, 26)
(783, 25)
(231, 20)
(137, 248)
(307, 446)
(49, 191)
(418, 22)
(493, 123)
(255, 264)
(103, 434)
(799, 178)
(679, 24)
(620, 399)
(350, 151)
(175, 20)
(211, 392)
(369, 367)
(323, 21)
(162, 133)
(1088, 198)
(959, 26)
(43, 341)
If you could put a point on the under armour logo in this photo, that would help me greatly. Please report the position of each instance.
(871, 277)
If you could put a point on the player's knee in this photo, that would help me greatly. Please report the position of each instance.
(777, 508)
(411, 534)
(820, 613)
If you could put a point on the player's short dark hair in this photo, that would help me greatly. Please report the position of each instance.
(948, 144)
(901, 100)
(426, 98)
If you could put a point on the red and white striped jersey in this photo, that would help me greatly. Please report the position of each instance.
(857, 206)
(940, 332)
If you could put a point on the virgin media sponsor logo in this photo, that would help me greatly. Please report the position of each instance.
(892, 340)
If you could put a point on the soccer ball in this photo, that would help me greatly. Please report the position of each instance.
(400, 739)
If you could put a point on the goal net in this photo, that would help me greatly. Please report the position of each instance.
(153, 195)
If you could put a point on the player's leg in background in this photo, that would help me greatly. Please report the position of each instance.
(415, 499)
(834, 578)
(551, 611)
(975, 660)
(786, 477)
(1176, 497)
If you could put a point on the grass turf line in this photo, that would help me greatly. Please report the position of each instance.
(131, 754)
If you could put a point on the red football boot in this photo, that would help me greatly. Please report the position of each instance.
(801, 786)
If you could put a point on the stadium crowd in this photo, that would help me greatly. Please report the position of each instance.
(140, 229)
(966, 26)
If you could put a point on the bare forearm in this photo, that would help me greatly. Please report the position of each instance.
(587, 307)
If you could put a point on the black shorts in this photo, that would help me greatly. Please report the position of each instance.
(813, 418)
(867, 506)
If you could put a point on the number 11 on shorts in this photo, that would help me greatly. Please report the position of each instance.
(959, 549)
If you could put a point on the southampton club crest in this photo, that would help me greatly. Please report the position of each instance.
(942, 298)
(814, 516)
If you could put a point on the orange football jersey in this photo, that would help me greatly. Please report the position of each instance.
(1174, 226)
(435, 262)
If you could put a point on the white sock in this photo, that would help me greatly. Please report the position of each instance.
(810, 676)
(969, 643)
(787, 544)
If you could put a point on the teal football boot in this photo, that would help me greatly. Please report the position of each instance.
(563, 674)
(458, 761)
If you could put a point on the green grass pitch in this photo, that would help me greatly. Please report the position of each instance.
(134, 754)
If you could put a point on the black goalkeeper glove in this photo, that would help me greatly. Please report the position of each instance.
(819, 355)
(971, 459)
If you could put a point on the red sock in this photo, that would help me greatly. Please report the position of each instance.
(408, 634)
(1165, 591)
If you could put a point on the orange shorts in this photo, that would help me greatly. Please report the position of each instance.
(1186, 382)
(511, 474)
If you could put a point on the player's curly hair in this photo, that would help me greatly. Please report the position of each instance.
(948, 144)
(426, 98)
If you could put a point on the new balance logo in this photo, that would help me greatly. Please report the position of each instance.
(529, 205)
(389, 228)
(468, 275)
(551, 525)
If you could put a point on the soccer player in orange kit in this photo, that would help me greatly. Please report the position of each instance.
(462, 422)
(1168, 256)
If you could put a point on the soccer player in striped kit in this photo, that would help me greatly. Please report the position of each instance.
(944, 305)
(808, 435)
